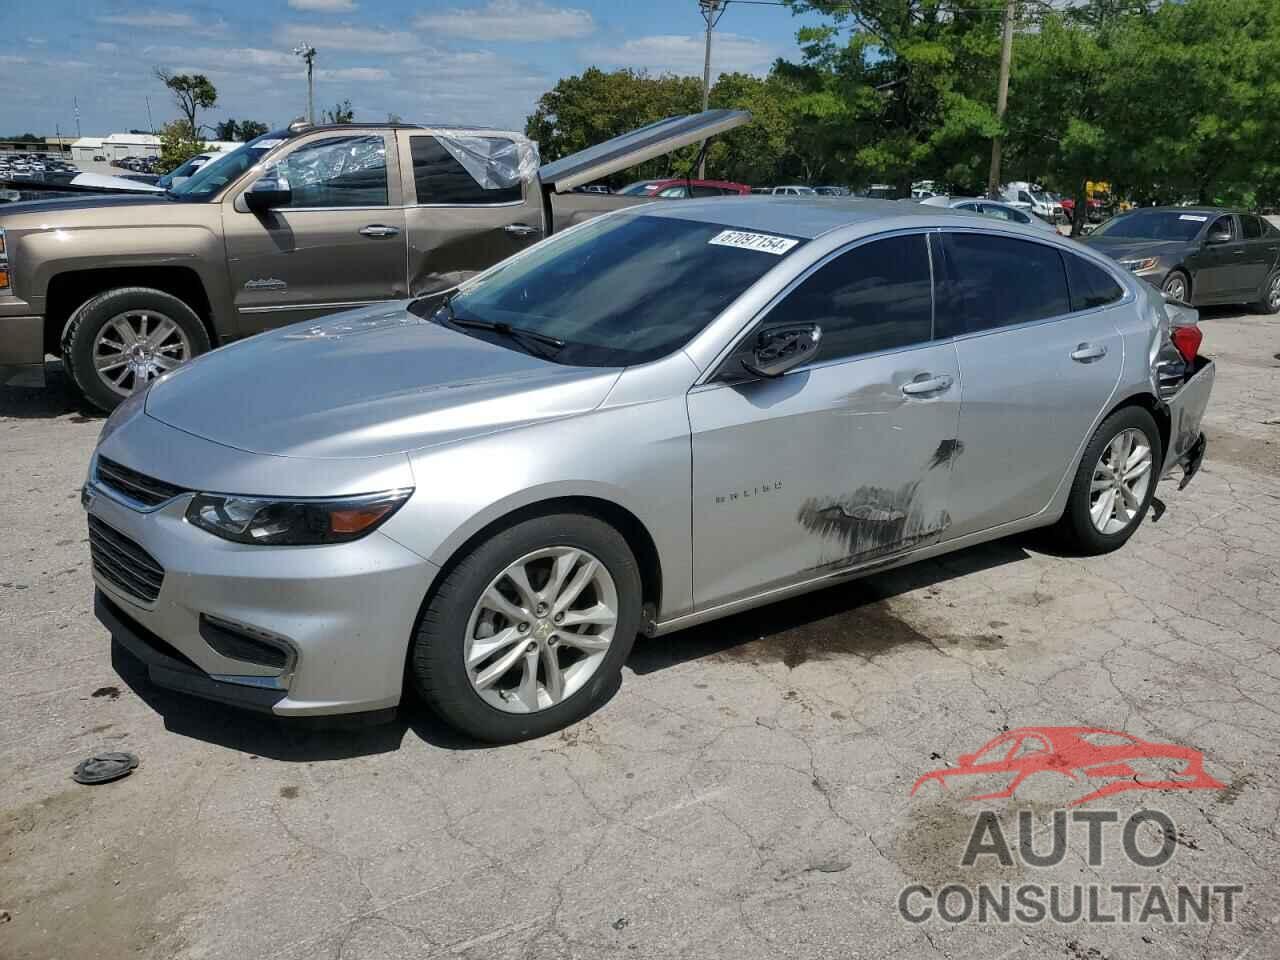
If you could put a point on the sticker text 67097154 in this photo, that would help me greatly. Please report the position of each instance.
(762, 242)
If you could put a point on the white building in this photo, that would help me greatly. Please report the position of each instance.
(119, 145)
(85, 149)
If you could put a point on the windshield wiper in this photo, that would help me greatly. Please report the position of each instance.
(506, 329)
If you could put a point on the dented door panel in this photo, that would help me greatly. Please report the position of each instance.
(826, 467)
(449, 244)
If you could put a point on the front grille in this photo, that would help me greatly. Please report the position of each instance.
(123, 563)
(136, 486)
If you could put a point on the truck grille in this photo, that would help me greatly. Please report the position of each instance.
(134, 485)
(123, 563)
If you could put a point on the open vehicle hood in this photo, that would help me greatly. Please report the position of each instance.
(367, 383)
(630, 149)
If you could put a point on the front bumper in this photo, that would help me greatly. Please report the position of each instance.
(346, 612)
(22, 351)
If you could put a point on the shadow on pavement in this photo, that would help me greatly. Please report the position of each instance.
(58, 398)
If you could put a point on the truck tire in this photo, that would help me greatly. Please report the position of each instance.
(122, 339)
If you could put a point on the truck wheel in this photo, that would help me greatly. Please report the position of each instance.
(529, 631)
(122, 339)
(1114, 483)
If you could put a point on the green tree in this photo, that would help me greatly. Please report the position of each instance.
(191, 92)
(226, 130)
(250, 129)
(341, 113)
(178, 144)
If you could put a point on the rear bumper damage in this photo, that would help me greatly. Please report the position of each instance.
(1186, 409)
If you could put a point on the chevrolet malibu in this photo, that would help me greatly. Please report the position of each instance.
(656, 418)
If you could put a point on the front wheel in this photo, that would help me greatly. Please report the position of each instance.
(1114, 483)
(529, 631)
(1178, 286)
(122, 339)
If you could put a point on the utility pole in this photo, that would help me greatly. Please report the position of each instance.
(76, 103)
(150, 123)
(1002, 98)
(712, 11)
(308, 53)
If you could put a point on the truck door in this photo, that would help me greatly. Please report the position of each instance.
(470, 202)
(338, 242)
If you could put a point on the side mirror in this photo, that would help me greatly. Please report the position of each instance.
(268, 192)
(1218, 236)
(783, 348)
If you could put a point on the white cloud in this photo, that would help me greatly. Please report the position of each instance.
(355, 75)
(477, 87)
(323, 6)
(730, 53)
(509, 20)
(213, 59)
(361, 39)
(106, 47)
(159, 19)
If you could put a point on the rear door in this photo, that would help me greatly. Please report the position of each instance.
(338, 244)
(1261, 248)
(1037, 366)
(467, 206)
(838, 462)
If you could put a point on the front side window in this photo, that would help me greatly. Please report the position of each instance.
(1223, 226)
(439, 177)
(337, 172)
(996, 213)
(877, 296)
(1091, 286)
(619, 290)
(995, 281)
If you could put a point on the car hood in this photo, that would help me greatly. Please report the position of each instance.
(367, 383)
(42, 208)
(1127, 248)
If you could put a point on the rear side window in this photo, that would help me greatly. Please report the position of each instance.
(438, 177)
(998, 281)
(1091, 286)
(875, 297)
(1252, 227)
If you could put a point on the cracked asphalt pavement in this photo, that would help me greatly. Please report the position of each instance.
(744, 793)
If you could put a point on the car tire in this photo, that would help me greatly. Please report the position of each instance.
(176, 334)
(1177, 280)
(1078, 526)
(448, 671)
(1270, 301)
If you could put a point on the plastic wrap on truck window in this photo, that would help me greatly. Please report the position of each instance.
(496, 162)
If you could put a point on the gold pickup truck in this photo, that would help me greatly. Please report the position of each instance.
(291, 226)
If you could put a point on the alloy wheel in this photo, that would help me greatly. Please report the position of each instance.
(137, 346)
(1273, 293)
(541, 629)
(1120, 481)
(1176, 287)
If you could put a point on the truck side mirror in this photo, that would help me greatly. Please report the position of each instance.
(268, 192)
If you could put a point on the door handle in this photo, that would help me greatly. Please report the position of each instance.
(379, 230)
(921, 388)
(520, 229)
(1237, 253)
(1087, 353)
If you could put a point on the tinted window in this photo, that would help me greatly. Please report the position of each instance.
(336, 172)
(1223, 225)
(1091, 286)
(875, 297)
(1252, 227)
(617, 290)
(1154, 225)
(701, 191)
(997, 281)
(438, 177)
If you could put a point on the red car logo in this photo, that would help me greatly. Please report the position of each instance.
(1084, 755)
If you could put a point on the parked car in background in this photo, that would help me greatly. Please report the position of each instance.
(415, 493)
(793, 190)
(1028, 196)
(291, 226)
(1093, 208)
(831, 191)
(990, 208)
(180, 173)
(679, 188)
(1199, 255)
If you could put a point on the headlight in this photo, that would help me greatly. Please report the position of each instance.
(1139, 265)
(293, 522)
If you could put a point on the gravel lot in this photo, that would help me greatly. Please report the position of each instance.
(744, 793)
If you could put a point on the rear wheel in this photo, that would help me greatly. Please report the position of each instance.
(529, 631)
(1114, 483)
(1270, 302)
(122, 339)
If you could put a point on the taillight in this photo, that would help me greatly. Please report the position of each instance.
(1187, 340)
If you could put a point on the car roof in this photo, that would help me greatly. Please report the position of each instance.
(1199, 209)
(798, 216)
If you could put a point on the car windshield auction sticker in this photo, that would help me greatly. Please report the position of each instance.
(1192, 216)
(763, 242)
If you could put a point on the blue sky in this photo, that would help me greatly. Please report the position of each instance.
(470, 61)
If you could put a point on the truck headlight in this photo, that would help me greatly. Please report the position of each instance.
(297, 522)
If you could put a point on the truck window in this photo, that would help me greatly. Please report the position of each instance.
(337, 172)
(438, 177)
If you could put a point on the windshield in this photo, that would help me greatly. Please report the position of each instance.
(620, 290)
(213, 176)
(1153, 225)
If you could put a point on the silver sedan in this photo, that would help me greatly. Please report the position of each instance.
(993, 209)
(654, 419)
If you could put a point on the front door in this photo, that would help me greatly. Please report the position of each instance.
(1215, 265)
(1039, 363)
(839, 462)
(339, 243)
